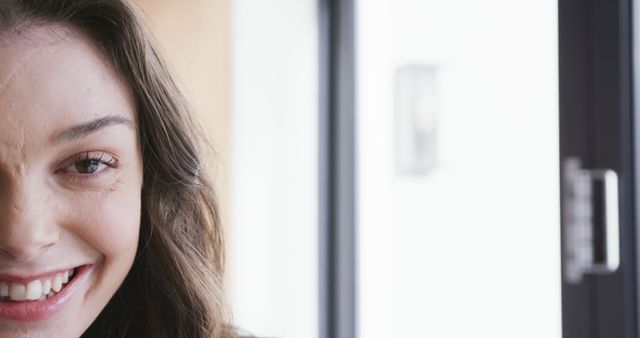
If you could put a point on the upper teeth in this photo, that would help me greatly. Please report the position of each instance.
(35, 289)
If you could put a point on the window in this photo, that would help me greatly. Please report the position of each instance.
(457, 179)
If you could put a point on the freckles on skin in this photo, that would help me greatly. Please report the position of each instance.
(108, 215)
(113, 187)
(111, 210)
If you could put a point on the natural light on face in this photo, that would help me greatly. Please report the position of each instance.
(70, 182)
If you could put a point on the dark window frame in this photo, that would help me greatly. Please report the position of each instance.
(337, 161)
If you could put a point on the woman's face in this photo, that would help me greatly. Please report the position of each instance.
(70, 182)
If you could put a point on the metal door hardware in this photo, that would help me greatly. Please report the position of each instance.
(590, 221)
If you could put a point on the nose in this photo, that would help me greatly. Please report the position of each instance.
(26, 229)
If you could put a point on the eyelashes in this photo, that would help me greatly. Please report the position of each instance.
(89, 164)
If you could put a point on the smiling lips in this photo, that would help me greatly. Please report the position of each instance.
(38, 289)
(40, 298)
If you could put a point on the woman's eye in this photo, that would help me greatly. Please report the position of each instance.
(89, 166)
(90, 163)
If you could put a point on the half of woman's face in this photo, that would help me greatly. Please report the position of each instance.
(70, 182)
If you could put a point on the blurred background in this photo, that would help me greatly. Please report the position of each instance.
(456, 160)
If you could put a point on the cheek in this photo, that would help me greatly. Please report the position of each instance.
(108, 221)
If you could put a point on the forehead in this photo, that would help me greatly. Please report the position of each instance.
(52, 77)
(48, 52)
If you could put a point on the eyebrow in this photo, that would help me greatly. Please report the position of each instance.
(82, 130)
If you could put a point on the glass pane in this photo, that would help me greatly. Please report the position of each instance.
(458, 180)
(273, 222)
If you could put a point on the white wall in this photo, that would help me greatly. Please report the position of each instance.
(273, 229)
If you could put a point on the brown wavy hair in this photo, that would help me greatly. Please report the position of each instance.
(174, 288)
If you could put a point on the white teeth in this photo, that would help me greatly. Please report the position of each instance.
(46, 287)
(34, 290)
(17, 292)
(56, 285)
